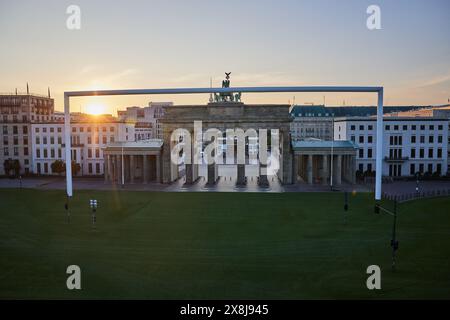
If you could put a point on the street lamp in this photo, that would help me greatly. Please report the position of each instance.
(93, 205)
(394, 241)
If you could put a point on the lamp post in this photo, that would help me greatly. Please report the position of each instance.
(66, 206)
(345, 206)
(93, 205)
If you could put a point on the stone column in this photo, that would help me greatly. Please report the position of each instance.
(145, 168)
(132, 168)
(240, 174)
(339, 170)
(353, 169)
(158, 168)
(263, 175)
(286, 157)
(105, 167)
(309, 169)
(325, 171)
(296, 168)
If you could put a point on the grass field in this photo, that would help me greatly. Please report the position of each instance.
(219, 246)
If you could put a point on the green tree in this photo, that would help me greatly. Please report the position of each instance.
(10, 165)
(58, 167)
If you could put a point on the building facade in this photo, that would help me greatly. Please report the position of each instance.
(411, 144)
(88, 140)
(17, 113)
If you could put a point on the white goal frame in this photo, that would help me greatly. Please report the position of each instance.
(377, 90)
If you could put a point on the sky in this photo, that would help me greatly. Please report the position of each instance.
(179, 43)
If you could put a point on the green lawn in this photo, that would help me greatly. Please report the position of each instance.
(219, 246)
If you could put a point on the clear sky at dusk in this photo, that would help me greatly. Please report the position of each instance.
(156, 44)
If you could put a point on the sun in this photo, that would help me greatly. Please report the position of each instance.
(95, 109)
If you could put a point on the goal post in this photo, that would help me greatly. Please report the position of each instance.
(290, 89)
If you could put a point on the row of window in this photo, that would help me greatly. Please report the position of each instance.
(15, 151)
(15, 140)
(15, 129)
(430, 153)
(92, 153)
(395, 170)
(46, 169)
(397, 127)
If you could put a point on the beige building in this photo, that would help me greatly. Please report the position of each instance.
(17, 113)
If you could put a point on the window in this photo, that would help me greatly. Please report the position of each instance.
(104, 140)
(413, 153)
(90, 167)
(361, 153)
(44, 140)
(439, 168)
(361, 127)
(25, 151)
(439, 139)
(59, 129)
(413, 127)
(422, 139)
(38, 153)
(89, 153)
(59, 140)
(413, 139)
(369, 167)
(59, 153)
(400, 140)
(431, 139)
(396, 127)
(15, 130)
(104, 129)
(52, 153)
(361, 167)
(431, 127)
(422, 127)
(440, 127)
(97, 168)
(5, 129)
(97, 153)
(370, 127)
(412, 169)
(74, 129)
(44, 130)
(111, 139)
(370, 139)
(430, 153)
(421, 153)
(81, 129)
(6, 151)
(430, 168)
(439, 153)
(52, 140)
(421, 168)
(15, 140)
(369, 153)
(89, 140)
(361, 139)
(405, 127)
(52, 129)
(25, 129)
(387, 127)
(111, 129)
(45, 153)
(38, 140)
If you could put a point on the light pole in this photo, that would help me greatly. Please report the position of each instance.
(345, 206)
(93, 205)
(394, 241)
(66, 206)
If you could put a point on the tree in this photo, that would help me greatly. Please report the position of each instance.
(11, 165)
(75, 168)
(58, 167)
